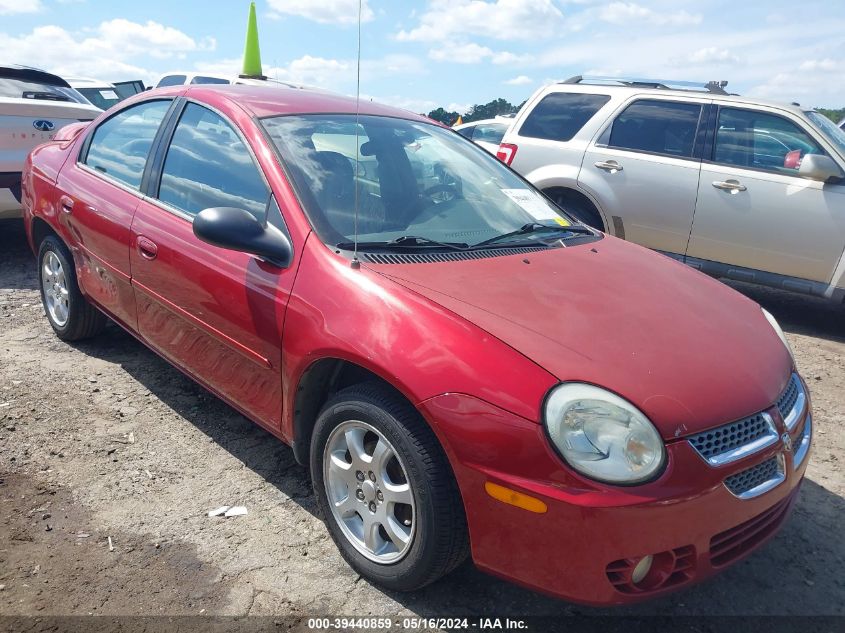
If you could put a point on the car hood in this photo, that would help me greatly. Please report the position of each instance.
(688, 351)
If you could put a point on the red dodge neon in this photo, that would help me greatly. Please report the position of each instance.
(464, 367)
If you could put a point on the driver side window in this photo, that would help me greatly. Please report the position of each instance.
(758, 140)
(208, 165)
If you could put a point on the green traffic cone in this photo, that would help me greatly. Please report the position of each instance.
(252, 55)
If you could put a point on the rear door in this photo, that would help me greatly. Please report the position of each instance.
(644, 167)
(755, 211)
(213, 312)
(101, 191)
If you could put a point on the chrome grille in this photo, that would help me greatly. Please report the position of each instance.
(735, 440)
(791, 402)
(801, 444)
(758, 479)
(787, 400)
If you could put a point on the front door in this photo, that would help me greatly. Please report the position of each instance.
(644, 170)
(105, 185)
(216, 313)
(755, 211)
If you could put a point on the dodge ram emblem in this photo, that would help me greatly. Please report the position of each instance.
(787, 442)
(42, 125)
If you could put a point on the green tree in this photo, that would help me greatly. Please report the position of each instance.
(446, 118)
(834, 115)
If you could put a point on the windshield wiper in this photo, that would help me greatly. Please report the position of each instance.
(535, 227)
(405, 241)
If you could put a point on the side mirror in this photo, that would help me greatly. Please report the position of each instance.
(239, 230)
(819, 167)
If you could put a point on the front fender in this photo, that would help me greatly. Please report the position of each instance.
(414, 344)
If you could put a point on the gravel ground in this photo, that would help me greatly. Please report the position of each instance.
(102, 439)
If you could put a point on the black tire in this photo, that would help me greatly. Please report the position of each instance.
(83, 319)
(440, 541)
(582, 210)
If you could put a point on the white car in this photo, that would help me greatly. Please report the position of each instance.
(737, 187)
(487, 133)
(34, 105)
(102, 94)
(184, 78)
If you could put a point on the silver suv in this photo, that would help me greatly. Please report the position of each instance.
(737, 187)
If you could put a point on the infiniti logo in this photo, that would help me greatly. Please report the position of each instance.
(42, 125)
(787, 442)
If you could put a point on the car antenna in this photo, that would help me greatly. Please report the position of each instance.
(355, 261)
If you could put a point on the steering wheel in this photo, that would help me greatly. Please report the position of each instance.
(442, 192)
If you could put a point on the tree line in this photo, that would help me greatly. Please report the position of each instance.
(503, 106)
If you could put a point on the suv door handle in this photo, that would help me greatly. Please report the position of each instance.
(146, 247)
(67, 203)
(609, 165)
(732, 186)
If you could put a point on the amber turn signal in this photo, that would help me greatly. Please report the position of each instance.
(514, 498)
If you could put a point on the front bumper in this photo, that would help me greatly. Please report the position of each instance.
(585, 546)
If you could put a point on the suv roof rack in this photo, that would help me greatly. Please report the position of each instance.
(713, 87)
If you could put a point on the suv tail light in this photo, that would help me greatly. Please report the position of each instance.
(506, 153)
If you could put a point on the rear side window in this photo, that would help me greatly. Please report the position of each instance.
(171, 80)
(758, 140)
(657, 127)
(560, 115)
(207, 165)
(490, 132)
(120, 145)
(199, 79)
(466, 131)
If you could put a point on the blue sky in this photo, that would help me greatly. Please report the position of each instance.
(422, 53)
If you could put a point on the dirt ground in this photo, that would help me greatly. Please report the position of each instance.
(103, 440)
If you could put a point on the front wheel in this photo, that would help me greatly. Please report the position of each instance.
(386, 490)
(70, 314)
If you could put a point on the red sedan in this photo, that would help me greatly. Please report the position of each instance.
(463, 366)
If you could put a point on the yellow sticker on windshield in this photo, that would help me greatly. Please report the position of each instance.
(562, 221)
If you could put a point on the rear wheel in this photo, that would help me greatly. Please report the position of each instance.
(70, 314)
(386, 490)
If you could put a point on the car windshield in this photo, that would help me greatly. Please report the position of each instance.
(414, 180)
(103, 98)
(19, 88)
(833, 133)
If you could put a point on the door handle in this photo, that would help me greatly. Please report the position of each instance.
(609, 165)
(146, 247)
(67, 204)
(732, 186)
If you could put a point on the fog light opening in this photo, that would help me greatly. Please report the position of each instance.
(641, 569)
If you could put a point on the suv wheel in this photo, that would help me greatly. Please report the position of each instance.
(582, 210)
(69, 313)
(385, 489)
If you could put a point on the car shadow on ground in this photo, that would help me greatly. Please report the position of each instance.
(17, 264)
(797, 573)
(799, 314)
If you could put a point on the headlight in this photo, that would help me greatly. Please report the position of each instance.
(603, 436)
(779, 331)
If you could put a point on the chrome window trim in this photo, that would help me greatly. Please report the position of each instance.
(764, 487)
(803, 447)
(745, 450)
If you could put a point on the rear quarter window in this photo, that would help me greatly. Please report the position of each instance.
(560, 115)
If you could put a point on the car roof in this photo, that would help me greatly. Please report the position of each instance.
(623, 91)
(28, 73)
(267, 101)
(87, 82)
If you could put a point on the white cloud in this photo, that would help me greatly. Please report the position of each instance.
(472, 53)
(8, 7)
(710, 55)
(110, 51)
(627, 12)
(323, 11)
(522, 80)
(500, 19)
(819, 64)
